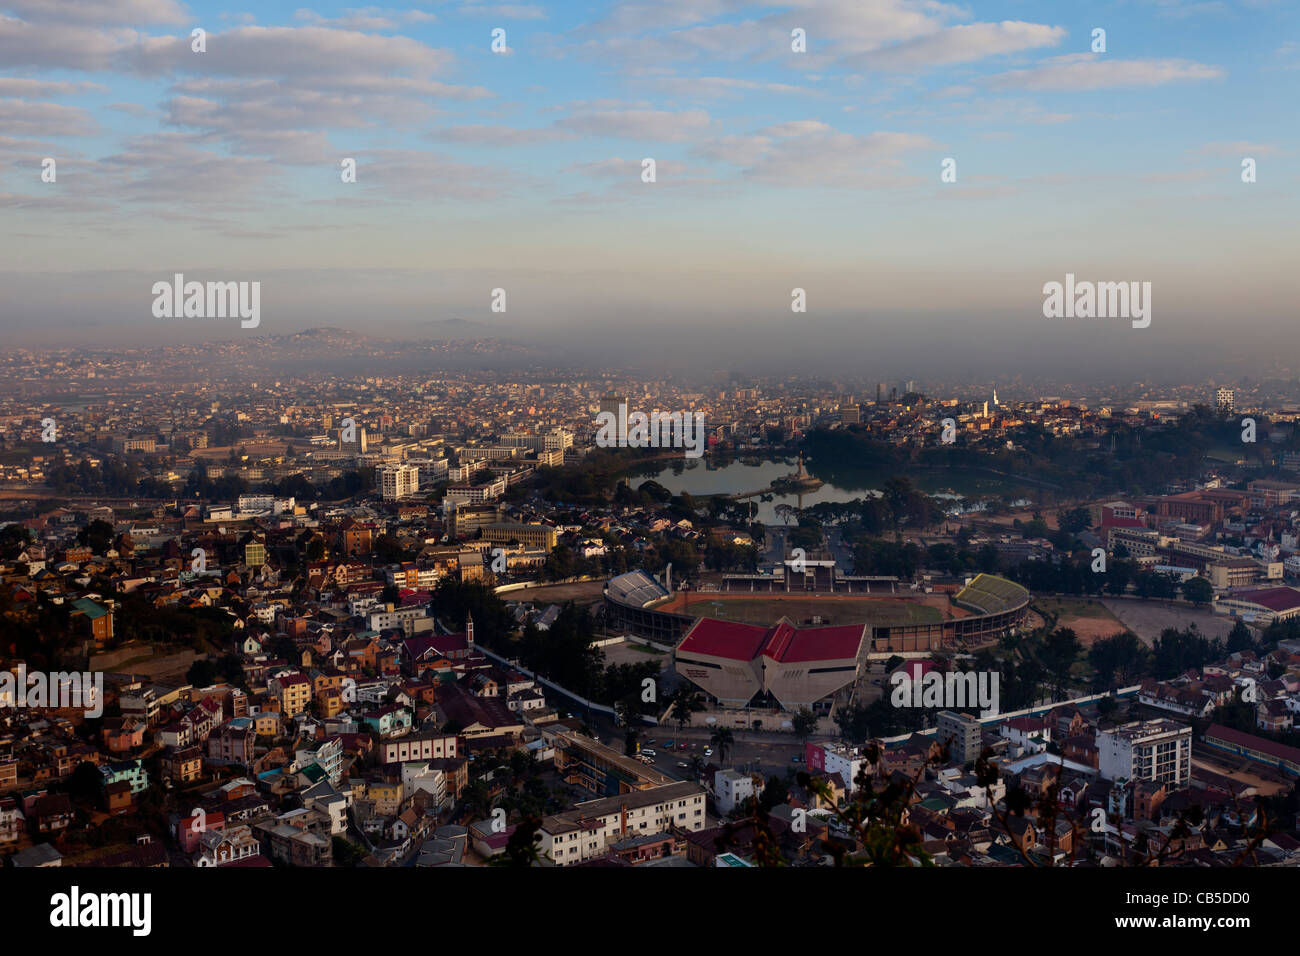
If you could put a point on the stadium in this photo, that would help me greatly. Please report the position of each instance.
(742, 646)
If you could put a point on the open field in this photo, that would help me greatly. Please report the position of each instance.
(1147, 619)
(835, 609)
(171, 667)
(582, 592)
(632, 653)
(1091, 621)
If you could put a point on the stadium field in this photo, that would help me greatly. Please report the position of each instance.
(846, 609)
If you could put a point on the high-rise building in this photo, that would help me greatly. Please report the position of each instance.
(1225, 400)
(359, 443)
(961, 733)
(1147, 750)
(399, 481)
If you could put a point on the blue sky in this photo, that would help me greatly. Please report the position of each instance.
(774, 169)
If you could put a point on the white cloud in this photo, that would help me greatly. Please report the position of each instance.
(34, 118)
(795, 128)
(22, 86)
(960, 44)
(100, 12)
(481, 135)
(657, 125)
(1089, 71)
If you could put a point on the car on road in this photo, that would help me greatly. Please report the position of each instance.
(708, 751)
(649, 740)
(668, 744)
(797, 758)
(683, 745)
(683, 765)
(647, 752)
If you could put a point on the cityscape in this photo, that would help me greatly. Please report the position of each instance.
(773, 436)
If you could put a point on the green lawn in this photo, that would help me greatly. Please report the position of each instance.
(765, 610)
(1070, 607)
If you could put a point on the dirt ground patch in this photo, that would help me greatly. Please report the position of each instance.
(1089, 630)
(582, 592)
(1091, 621)
(171, 667)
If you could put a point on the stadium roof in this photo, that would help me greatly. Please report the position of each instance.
(782, 642)
(992, 595)
(1251, 742)
(1275, 599)
(636, 589)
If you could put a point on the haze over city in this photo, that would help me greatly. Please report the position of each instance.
(775, 170)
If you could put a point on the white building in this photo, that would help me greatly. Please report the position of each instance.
(432, 470)
(586, 831)
(731, 788)
(1147, 750)
(399, 481)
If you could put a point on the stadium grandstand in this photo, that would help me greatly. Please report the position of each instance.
(980, 611)
(995, 603)
(629, 602)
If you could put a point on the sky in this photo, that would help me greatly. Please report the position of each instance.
(522, 168)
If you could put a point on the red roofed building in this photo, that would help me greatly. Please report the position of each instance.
(1265, 751)
(424, 650)
(1261, 605)
(797, 667)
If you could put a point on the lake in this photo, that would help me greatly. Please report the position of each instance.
(701, 477)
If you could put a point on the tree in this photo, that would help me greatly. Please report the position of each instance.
(722, 739)
(1198, 590)
(804, 723)
(1240, 638)
(686, 701)
(1060, 650)
(346, 853)
(523, 846)
(98, 536)
(1074, 520)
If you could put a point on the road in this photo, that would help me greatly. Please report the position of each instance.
(842, 553)
(767, 753)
